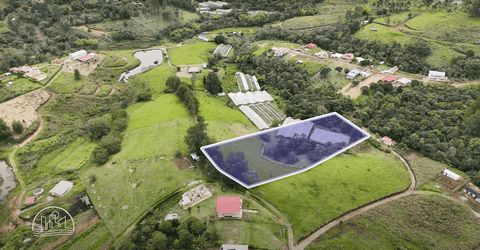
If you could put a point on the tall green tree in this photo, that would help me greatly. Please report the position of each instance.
(213, 84)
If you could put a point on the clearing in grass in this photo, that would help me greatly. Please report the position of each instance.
(335, 187)
(192, 53)
(422, 221)
(155, 131)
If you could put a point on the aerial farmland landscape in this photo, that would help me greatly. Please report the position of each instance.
(240, 124)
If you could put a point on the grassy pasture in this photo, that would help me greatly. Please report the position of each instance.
(20, 86)
(450, 27)
(308, 22)
(425, 221)
(155, 78)
(193, 53)
(93, 238)
(244, 30)
(266, 45)
(383, 34)
(336, 186)
(223, 122)
(156, 129)
(395, 19)
(66, 83)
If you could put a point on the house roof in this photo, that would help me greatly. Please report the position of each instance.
(436, 73)
(387, 140)
(30, 200)
(61, 188)
(404, 80)
(390, 78)
(229, 204)
(87, 57)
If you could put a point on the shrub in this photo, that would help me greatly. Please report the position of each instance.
(17, 127)
(96, 130)
(112, 143)
(5, 132)
(100, 155)
(77, 74)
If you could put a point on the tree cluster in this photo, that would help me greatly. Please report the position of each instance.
(184, 92)
(212, 83)
(155, 233)
(441, 122)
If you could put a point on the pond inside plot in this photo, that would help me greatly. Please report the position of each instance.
(148, 59)
(276, 153)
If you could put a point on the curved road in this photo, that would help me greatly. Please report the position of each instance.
(358, 211)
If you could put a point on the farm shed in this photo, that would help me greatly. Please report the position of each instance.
(322, 54)
(229, 207)
(233, 247)
(388, 141)
(348, 57)
(311, 46)
(172, 216)
(254, 117)
(241, 98)
(390, 78)
(222, 50)
(289, 120)
(88, 58)
(352, 74)
(391, 70)
(437, 75)
(193, 70)
(336, 55)
(451, 175)
(212, 4)
(279, 52)
(77, 54)
(61, 188)
(21, 69)
(404, 81)
(324, 136)
(247, 82)
(30, 201)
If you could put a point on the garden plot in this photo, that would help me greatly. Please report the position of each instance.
(247, 82)
(268, 112)
(222, 50)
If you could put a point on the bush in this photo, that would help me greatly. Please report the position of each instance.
(17, 127)
(5, 132)
(178, 154)
(96, 130)
(144, 96)
(112, 143)
(100, 155)
(92, 178)
(355, 83)
(220, 39)
(77, 74)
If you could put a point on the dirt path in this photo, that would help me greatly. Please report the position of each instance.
(96, 90)
(356, 91)
(358, 211)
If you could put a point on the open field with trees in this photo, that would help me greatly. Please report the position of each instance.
(418, 221)
(334, 187)
(191, 53)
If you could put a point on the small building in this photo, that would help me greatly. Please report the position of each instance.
(77, 54)
(29, 201)
(221, 94)
(229, 207)
(437, 76)
(390, 79)
(233, 247)
(90, 57)
(194, 156)
(311, 46)
(61, 188)
(8, 74)
(193, 70)
(388, 141)
(336, 55)
(373, 29)
(212, 5)
(279, 52)
(391, 70)
(21, 70)
(404, 81)
(322, 54)
(172, 216)
(348, 57)
(194, 196)
(451, 175)
(203, 37)
(289, 120)
(352, 74)
(365, 22)
(360, 59)
(472, 191)
(299, 62)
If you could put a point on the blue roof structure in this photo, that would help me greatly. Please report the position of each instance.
(276, 153)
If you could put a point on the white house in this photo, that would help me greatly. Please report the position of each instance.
(321, 54)
(451, 175)
(61, 188)
(233, 247)
(336, 55)
(404, 81)
(279, 52)
(77, 54)
(437, 76)
(352, 74)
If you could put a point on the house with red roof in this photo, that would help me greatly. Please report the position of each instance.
(311, 46)
(388, 141)
(390, 78)
(229, 207)
(348, 57)
(88, 57)
(29, 201)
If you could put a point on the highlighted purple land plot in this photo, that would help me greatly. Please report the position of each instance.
(276, 153)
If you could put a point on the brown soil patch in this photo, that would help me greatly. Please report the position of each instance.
(182, 163)
(24, 108)
(356, 91)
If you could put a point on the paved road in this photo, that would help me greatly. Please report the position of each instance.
(358, 211)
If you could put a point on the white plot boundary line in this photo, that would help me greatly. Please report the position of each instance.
(204, 148)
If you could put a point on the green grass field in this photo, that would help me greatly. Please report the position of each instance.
(66, 83)
(309, 22)
(156, 129)
(395, 19)
(20, 86)
(266, 45)
(93, 238)
(424, 221)
(193, 53)
(223, 122)
(244, 30)
(336, 186)
(155, 78)
(383, 34)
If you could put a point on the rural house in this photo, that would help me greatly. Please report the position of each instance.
(451, 175)
(61, 188)
(388, 141)
(404, 81)
(229, 207)
(30, 201)
(311, 46)
(390, 79)
(348, 57)
(77, 54)
(279, 52)
(437, 76)
(233, 247)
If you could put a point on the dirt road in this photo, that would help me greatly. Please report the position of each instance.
(356, 91)
(353, 213)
